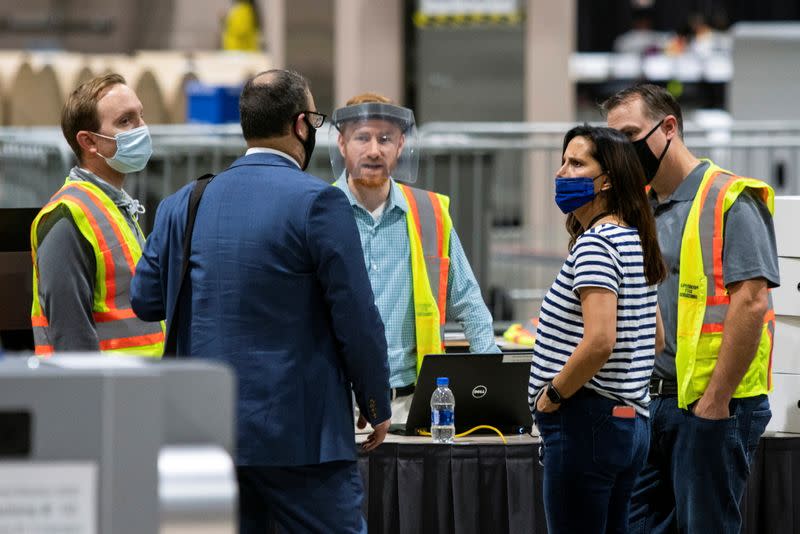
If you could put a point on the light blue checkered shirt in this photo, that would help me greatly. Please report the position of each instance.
(387, 255)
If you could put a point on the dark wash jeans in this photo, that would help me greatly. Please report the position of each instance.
(591, 460)
(697, 469)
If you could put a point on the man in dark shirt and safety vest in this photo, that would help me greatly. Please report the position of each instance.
(710, 383)
(418, 270)
(86, 240)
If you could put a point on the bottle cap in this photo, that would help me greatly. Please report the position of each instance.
(442, 381)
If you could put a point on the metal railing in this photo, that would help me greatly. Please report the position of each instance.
(526, 238)
(500, 177)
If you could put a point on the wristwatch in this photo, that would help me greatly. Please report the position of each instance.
(552, 393)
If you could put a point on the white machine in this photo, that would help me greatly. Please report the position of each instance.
(94, 444)
(785, 398)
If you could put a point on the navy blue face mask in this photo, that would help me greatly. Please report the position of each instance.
(572, 193)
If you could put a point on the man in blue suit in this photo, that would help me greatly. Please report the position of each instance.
(278, 290)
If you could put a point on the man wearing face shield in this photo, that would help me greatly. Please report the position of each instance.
(416, 264)
(710, 383)
(86, 241)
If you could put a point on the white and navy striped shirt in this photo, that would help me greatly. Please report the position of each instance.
(606, 256)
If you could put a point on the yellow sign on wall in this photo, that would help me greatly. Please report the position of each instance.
(467, 13)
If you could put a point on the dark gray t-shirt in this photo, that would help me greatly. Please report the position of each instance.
(749, 252)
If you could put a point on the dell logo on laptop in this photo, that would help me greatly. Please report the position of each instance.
(479, 392)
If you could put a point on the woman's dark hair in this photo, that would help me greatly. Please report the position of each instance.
(626, 198)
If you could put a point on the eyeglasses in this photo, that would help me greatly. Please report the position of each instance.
(314, 119)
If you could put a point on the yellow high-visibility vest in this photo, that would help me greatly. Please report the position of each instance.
(702, 298)
(117, 251)
(429, 227)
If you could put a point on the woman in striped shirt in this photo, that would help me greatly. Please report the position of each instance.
(598, 332)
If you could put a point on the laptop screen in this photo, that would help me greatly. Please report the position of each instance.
(489, 389)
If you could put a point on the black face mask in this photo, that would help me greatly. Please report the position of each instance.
(649, 161)
(309, 143)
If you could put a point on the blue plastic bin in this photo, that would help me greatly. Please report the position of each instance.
(212, 104)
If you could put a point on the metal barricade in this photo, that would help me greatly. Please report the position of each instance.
(34, 162)
(526, 241)
(27, 157)
(500, 177)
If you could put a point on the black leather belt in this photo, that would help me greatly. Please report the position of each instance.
(402, 391)
(663, 388)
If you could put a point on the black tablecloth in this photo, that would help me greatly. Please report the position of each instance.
(492, 488)
(772, 502)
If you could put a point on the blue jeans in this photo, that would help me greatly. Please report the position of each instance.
(591, 460)
(697, 468)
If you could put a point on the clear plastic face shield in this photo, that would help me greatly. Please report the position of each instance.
(374, 141)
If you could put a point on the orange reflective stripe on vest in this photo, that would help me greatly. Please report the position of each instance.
(711, 231)
(43, 350)
(426, 211)
(132, 342)
(109, 238)
(711, 234)
(770, 320)
(40, 324)
(429, 227)
(712, 213)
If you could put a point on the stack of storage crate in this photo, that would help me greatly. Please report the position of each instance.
(785, 398)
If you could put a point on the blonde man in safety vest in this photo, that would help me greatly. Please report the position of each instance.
(86, 240)
(417, 267)
(710, 383)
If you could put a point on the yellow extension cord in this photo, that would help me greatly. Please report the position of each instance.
(470, 431)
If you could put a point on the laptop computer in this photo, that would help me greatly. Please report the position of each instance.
(489, 389)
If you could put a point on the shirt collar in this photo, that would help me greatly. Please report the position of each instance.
(396, 197)
(265, 150)
(687, 190)
(118, 196)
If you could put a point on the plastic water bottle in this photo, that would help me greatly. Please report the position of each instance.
(443, 428)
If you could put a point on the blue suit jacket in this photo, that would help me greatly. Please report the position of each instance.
(280, 292)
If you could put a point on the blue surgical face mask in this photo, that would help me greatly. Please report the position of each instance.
(134, 149)
(572, 193)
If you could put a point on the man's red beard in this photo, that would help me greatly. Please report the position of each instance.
(373, 183)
